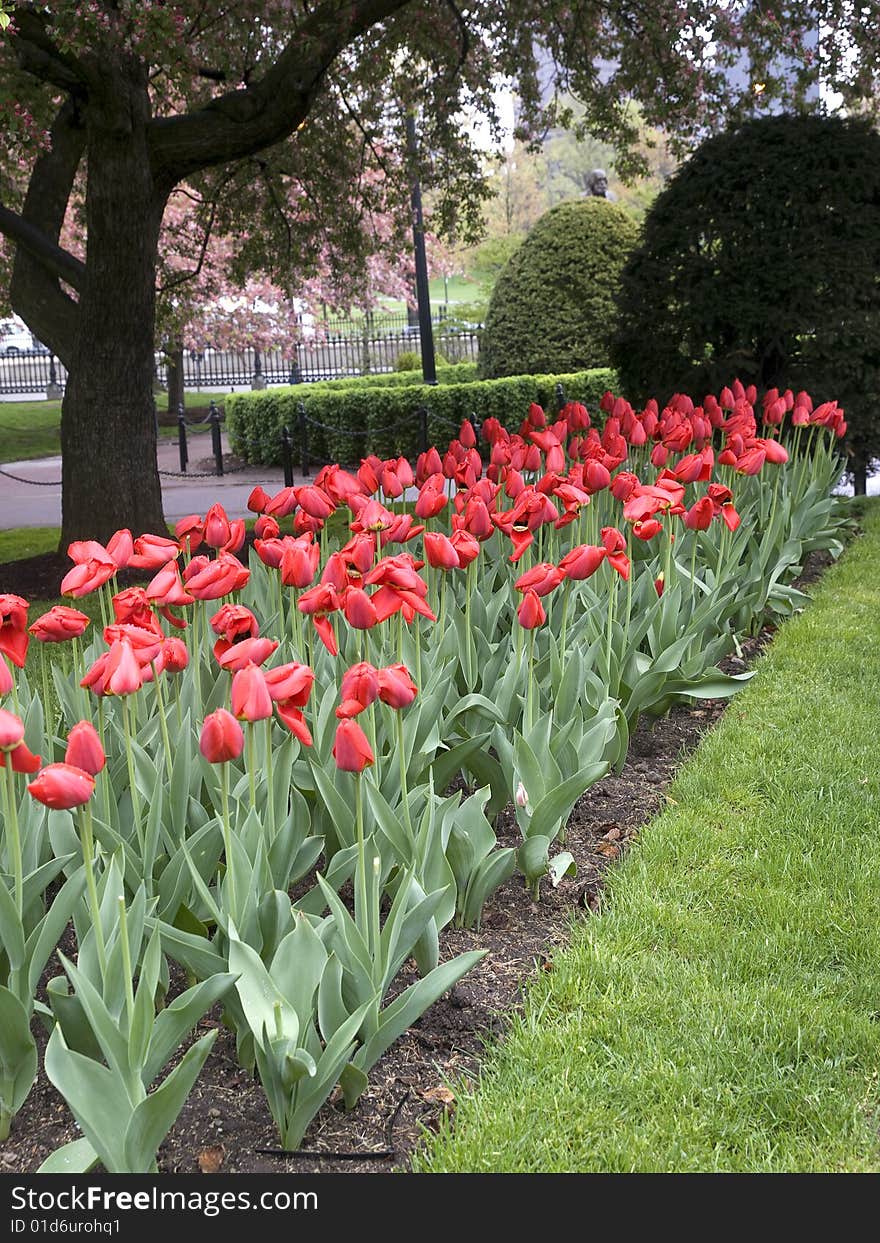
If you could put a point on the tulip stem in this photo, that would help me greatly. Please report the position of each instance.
(163, 723)
(612, 597)
(14, 835)
(87, 843)
(227, 840)
(694, 569)
(361, 916)
(530, 694)
(566, 595)
(404, 790)
(126, 961)
(629, 591)
(252, 764)
(269, 781)
(129, 755)
(48, 721)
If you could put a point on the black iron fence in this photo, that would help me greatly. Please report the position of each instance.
(367, 347)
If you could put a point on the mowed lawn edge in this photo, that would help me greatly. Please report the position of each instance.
(723, 1012)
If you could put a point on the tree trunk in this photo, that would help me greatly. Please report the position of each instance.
(108, 431)
(174, 372)
(860, 478)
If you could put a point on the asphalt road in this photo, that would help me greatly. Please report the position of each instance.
(28, 505)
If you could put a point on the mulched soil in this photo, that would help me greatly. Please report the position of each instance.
(226, 1123)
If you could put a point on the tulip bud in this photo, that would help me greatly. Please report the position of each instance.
(221, 738)
(351, 750)
(62, 787)
(11, 730)
(84, 749)
(522, 795)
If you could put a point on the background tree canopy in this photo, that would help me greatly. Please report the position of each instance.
(761, 259)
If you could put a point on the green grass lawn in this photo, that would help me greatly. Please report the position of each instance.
(723, 1013)
(31, 429)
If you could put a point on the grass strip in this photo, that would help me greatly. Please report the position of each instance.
(723, 1013)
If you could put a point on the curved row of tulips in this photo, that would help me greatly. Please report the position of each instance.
(242, 732)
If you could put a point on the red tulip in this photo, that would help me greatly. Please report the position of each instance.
(190, 532)
(396, 687)
(166, 588)
(314, 501)
(11, 730)
(6, 682)
(173, 656)
(217, 578)
(530, 613)
(21, 758)
(359, 609)
(542, 579)
(151, 552)
(217, 529)
(120, 547)
(86, 577)
(647, 529)
(299, 563)
(359, 689)
(251, 700)
(133, 606)
(221, 738)
(266, 527)
(84, 748)
(290, 684)
(62, 787)
(123, 675)
(295, 721)
(699, 516)
(248, 651)
(59, 623)
(233, 622)
(466, 546)
(351, 750)
(440, 552)
(258, 500)
(660, 583)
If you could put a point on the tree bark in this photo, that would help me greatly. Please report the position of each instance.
(174, 371)
(108, 432)
(860, 478)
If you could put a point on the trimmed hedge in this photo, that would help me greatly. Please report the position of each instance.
(384, 420)
(552, 308)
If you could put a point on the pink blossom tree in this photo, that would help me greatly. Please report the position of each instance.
(280, 115)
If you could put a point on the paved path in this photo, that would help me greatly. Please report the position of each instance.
(26, 505)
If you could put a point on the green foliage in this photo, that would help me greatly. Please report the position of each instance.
(552, 307)
(407, 361)
(361, 419)
(760, 260)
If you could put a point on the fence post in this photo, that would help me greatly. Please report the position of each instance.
(259, 380)
(422, 413)
(303, 438)
(181, 439)
(560, 396)
(216, 442)
(287, 456)
(54, 391)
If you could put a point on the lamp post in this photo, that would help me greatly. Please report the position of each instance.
(423, 293)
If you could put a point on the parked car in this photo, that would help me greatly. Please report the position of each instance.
(17, 338)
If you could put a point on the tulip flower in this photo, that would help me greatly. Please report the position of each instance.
(151, 552)
(233, 622)
(351, 750)
(466, 546)
(646, 529)
(84, 748)
(318, 602)
(660, 583)
(173, 656)
(216, 578)
(530, 613)
(293, 718)
(120, 547)
(248, 651)
(266, 527)
(359, 689)
(217, 529)
(299, 563)
(251, 700)
(21, 759)
(440, 552)
(542, 579)
(521, 797)
(258, 500)
(62, 787)
(59, 624)
(132, 606)
(6, 682)
(615, 548)
(222, 738)
(359, 610)
(699, 516)
(396, 687)
(86, 577)
(291, 684)
(190, 532)
(11, 730)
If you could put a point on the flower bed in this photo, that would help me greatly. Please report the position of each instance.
(241, 726)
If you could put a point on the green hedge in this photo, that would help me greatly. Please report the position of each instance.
(383, 420)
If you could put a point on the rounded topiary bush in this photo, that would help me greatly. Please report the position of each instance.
(552, 309)
(760, 259)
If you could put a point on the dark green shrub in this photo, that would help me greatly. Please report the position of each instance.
(760, 259)
(552, 308)
(346, 424)
(408, 360)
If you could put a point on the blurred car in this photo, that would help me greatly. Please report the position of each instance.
(17, 338)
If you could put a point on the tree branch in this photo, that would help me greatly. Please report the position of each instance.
(38, 55)
(57, 261)
(242, 122)
(40, 263)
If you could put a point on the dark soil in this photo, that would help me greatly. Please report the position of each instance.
(226, 1123)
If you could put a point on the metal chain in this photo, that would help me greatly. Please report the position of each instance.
(38, 483)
